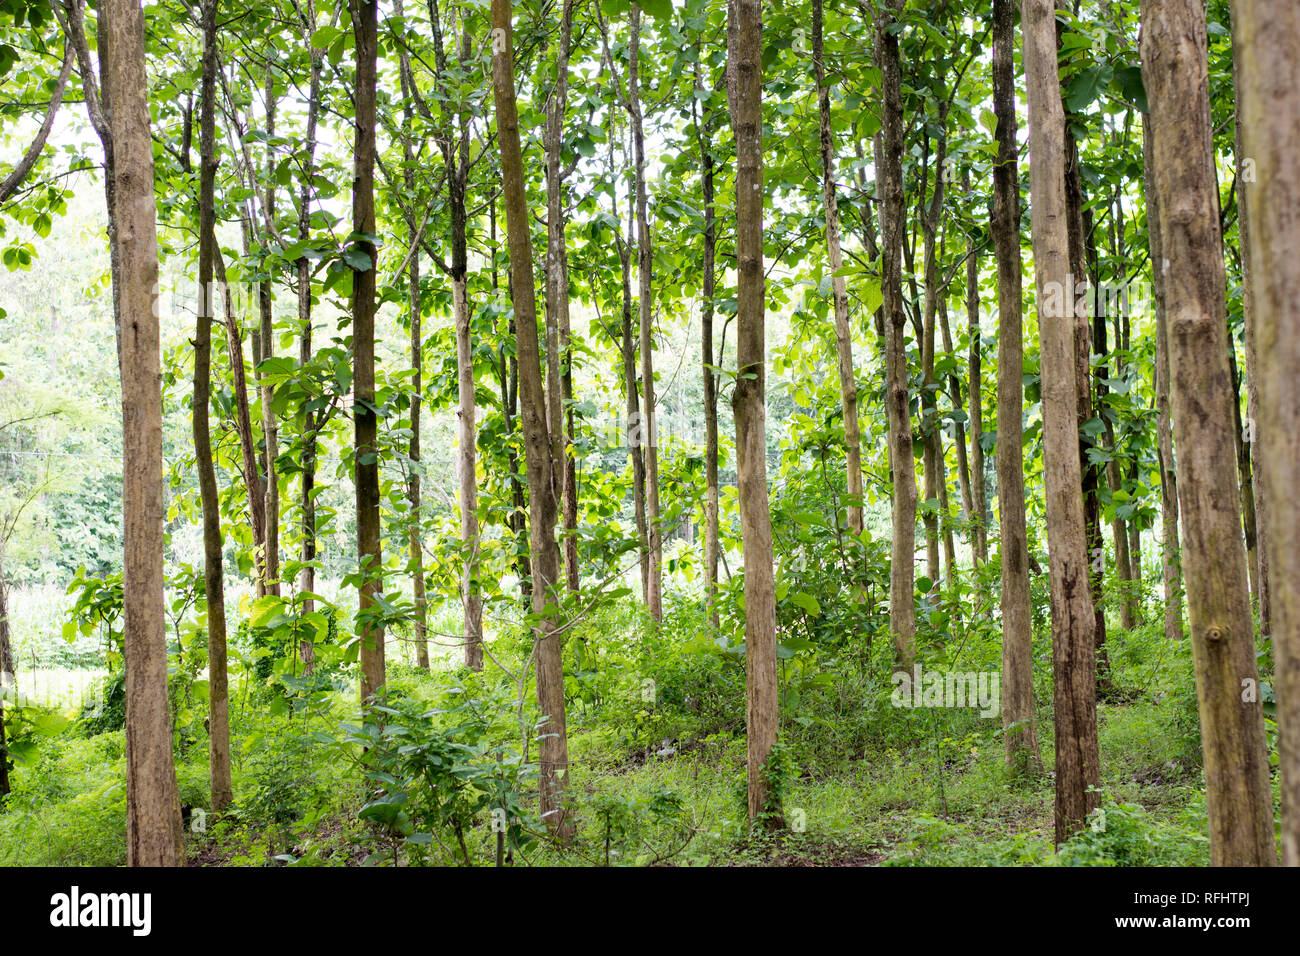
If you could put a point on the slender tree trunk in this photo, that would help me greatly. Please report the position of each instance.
(1267, 35)
(703, 134)
(560, 384)
(744, 65)
(366, 449)
(1174, 70)
(415, 309)
(889, 176)
(1082, 256)
(843, 332)
(213, 582)
(554, 752)
(1018, 722)
(309, 425)
(1170, 552)
(1261, 573)
(634, 424)
(979, 491)
(154, 835)
(7, 680)
(1073, 617)
(645, 303)
(270, 428)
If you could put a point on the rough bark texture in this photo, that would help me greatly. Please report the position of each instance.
(1021, 733)
(889, 176)
(1232, 727)
(1170, 555)
(366, 450)
(554, 754)
(744, 57)
(154, 836)
(1267, 39)
(835, 259)
(1073, 618)
(213, 578)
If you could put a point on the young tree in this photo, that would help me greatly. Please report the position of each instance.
(213, 576)
(744, 67)
(704, 127)
(154, 835)
(1073, 618)
(645, 305)
(1021, 734)
(1267, 34)
(889, 179)
(1174, 69)
(554, 756)
(365, 29)
(843, 332)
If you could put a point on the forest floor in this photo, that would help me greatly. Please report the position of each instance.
(865, 785)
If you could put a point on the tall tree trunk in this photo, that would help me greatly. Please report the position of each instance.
(1174, 70)
(744, 66)
(634, 423)
(703, 135)
(153, 818)
(1082, 253)
(7, 680)
(1261, 573)
(843, 331)
(1073, 617)
(213, 582)
(1267, 35)
(309, 425)
(1170, 552)
(560, 384)
(554, 752)
(889, 175)
(1018, 722)
(366, 447)
(1118, 530)
(978, 490)
(415, 308)
(932, 455)
(270, 428)
(645, 303)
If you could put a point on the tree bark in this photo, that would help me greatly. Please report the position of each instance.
(309, 425)
(366, 449)
(1018, 720)
(559, 358)
(703, 135)
(1174, 70)
(219, 774)
(835, 259)
(645, 303)
(415, 309)
(744, 61)
(889, 175)
(270, 427)
(1267, 39)
(1073, 617)
(154, 835)
(554, 754)
(1170, 552)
